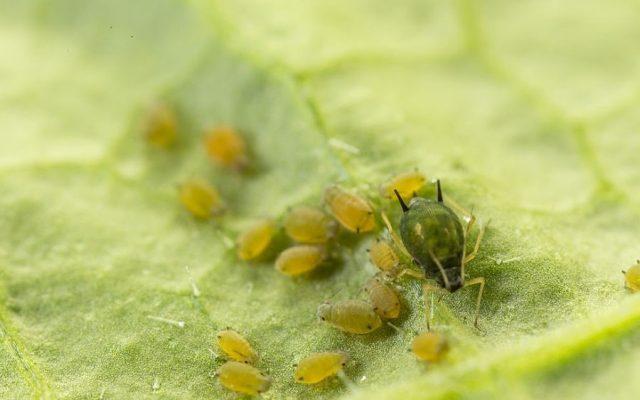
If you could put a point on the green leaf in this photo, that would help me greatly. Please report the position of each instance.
(526, 111)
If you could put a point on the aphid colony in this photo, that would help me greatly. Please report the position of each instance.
(431, 237)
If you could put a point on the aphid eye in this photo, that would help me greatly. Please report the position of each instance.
(322, 318)
(369, 326)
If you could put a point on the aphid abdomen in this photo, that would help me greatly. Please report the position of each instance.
(236, 347)
(309, 225)
(407, 184)
(383, 255)
(384, 299)
(430, 346)
(242, 378)
(253, 242)
(200, 198)
(352, 211)
(300, 259)
(161, 126)
(353, 316)
(432, 230)
(632, 278)
(227, 147)
(317, 367)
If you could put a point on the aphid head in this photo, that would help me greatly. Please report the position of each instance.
(323, 311)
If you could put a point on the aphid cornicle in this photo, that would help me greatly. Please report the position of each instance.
(227, 147)
(317, 367)
(255, 240)
(433, 235)
(383, 298)
(383, 255)
(236, 347)
(161, 126)
(407, 184)
(353, 316)
(309, 225)
(200, 198)
(632, 277)
(352, 211)
(430, 346)
(242, 378)
(300, 259)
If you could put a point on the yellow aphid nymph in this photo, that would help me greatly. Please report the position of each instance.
(200, 198)
(161, 126)
(430, 346)
(352, 211)
(253, 242)
(227, 147)
(353, 316)
(317, 367)
(243, 378)
(407, 184)
(309, 225)
(383, 255)
(383, 298)
(236, 347)
(300, 259)
(632, 277)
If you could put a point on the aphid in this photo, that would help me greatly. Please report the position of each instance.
(236, 347)
(433, 235)
(299, 259)
(407, 184)
(317, 367)
(254, 241)
(384, 256)
(161, 127)
(430, 346)
(352, 211)
(632, 277)
(353, 316)
(242, 378)
(383, 298)
(309, 225)
(227, 147)
(200, 198)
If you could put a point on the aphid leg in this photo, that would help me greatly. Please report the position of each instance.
(448, 200)
(476, 247)
(394, 236)
(447, 285)
(412, 273)
(477, 281)
(472, 221)
(426, 288)
(346, 381)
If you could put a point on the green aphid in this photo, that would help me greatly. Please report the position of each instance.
(434, 237)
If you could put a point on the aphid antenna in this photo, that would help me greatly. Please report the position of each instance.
(179, 324)
(439, 192)
(346, 381)
(397, 329)
(402, 203)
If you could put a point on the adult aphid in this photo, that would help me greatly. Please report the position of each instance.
(407, 184)
(300, 259)
(236, 347)
(352, 211)
(383, 255)
(353, 316)
(309, 225)
(384, 299)
(253, 242)
(317, 367)
(227, 147)
(433, 235)
(161, 126)
(200, 198)
(242, 378)
(632, 277)
(430, 346)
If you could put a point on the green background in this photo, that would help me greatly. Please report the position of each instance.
(526, 109)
